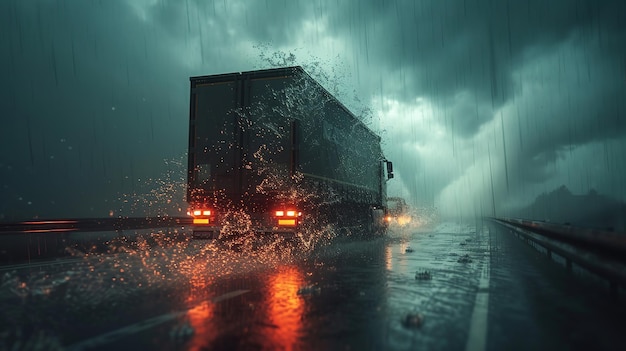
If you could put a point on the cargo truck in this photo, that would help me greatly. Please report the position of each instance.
(272, 151)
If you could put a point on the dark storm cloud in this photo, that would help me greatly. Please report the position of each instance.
(442, 48)
(552, 72)
(94, 93)
(591, 111)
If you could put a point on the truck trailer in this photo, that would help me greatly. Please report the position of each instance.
(273, 152)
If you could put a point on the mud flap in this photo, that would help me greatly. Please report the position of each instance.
(205, 234)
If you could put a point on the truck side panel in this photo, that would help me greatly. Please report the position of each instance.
(342, 150)
(269, 134)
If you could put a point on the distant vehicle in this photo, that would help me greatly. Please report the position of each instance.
(271, 151)
(398, 211)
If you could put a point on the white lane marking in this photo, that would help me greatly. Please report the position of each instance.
(477, 337)
(143, 325)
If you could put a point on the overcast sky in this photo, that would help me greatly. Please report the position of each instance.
(482, 104)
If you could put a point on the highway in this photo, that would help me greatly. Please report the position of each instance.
(470, 286)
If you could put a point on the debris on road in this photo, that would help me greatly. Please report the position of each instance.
(425, 275)
(408, 250)
(464, 259)
(413, 320)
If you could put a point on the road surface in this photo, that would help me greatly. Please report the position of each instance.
(450, 287)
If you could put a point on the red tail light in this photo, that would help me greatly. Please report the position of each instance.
(287, 213)
(201, 215)
(287, 217)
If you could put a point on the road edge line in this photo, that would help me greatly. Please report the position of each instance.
(477, 336)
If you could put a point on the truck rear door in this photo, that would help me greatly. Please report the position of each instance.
(214, 143)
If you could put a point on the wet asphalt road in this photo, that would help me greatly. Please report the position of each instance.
(536, 304)
(458, 286)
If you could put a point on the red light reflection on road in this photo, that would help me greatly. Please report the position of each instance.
(285, 307)
(201, 316)
(274, 320)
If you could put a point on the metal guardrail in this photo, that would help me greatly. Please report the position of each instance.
(91, 224)
(25, 241)
(599, 252)
(600, 239)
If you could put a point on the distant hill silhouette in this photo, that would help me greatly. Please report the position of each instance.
(589, 210)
